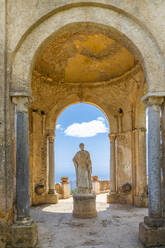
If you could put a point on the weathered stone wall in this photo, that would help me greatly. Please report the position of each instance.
(30, 12)
(7, 137)
(2, 108)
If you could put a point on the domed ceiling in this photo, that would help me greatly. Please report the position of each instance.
(91, 57)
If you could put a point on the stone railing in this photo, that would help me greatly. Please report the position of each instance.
(63, 190)
(101, 186)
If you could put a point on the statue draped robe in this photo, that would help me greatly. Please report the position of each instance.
(83, 168)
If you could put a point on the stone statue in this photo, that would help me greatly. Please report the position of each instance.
(83, 166)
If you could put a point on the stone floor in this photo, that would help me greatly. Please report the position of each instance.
(115, 227)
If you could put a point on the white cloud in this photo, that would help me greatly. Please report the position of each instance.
(87, 129)
(59, 127)
(101, 119)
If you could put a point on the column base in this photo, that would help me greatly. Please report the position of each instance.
(113, 198)
(151, 236)
(24, 235)
(52, 198)
(141, 201)
(84, 206)
(153, 222)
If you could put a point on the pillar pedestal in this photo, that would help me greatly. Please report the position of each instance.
(24, 235)
(84, 206)
(52, 198)
(150, 236)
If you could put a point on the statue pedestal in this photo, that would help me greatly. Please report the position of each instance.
(84, 206)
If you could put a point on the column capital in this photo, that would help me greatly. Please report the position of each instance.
(112, 137)
(138, 130)
(51, 135)
(153, 100)
(21, 103)
(51, 139)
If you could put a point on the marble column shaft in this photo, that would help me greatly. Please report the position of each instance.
(112, 138)
(22, 159)
(163, 157)
(51, 165)
(154, 182)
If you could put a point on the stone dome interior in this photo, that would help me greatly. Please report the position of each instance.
(84, 57)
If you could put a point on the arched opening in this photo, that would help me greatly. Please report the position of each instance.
(91, 66)
(76, 124)
(88, 65)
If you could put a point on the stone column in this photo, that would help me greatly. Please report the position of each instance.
(151, 232)
(51, 166)
(112, 138)
(112, 196)
(52, 196)
(154, 160)
(163, 157)
(24, 232)
(141, 198)
(22, 159)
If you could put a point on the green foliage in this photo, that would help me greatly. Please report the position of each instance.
(73, 191)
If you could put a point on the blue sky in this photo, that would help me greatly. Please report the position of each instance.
(82, 123)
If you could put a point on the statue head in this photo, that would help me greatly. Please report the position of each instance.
(81, 146)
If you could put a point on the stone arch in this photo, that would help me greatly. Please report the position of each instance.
(56, 111)
(127, 30)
